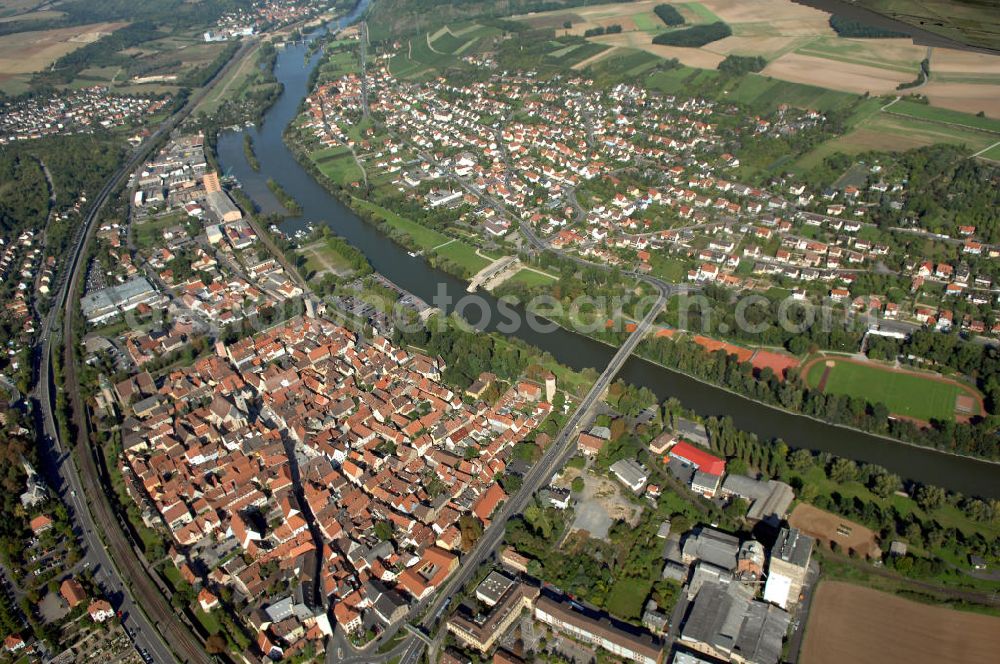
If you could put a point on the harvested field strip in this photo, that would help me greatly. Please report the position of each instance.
(585, 56)
(881, 64)
(577, 56)
(944, 116)
(566, 50)
(966, 77)
(461, 32)
(849, 623)
(466, 46)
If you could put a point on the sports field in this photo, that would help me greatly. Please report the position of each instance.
(323, 258)
(921, 396)
(849, 623)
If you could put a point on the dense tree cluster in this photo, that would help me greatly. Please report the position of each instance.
(695, 36)
(849, 27)
(616, 574)
(669, 15)
(742, 64)
(24, 197)
(286, 199)
(466, 352)
(758, 321)
(922, 76)
(946, 190)
(602, 30)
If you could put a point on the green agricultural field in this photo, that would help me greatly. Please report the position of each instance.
(698, 12)
(340, 63)
(570, 55)
(447, 42)
(762, 92)
(416, 59)
(648, 22)
(894, 133)
(671, 81)
(935, 114)
(992, 154)
(905, 394)
(624, 65)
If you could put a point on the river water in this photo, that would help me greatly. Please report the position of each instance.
(970, 476)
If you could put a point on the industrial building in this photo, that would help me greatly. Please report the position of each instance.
(725, 622)
(102, 305)
(788, 567)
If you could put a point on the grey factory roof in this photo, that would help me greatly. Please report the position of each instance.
(767, 499)
(712, 546)
(745, 487)
(793, 547)
(730, 621)
(98, 303)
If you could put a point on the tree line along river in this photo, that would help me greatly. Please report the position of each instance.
(968, 475)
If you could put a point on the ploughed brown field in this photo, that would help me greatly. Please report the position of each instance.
(849, 623)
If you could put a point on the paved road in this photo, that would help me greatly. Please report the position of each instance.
(409, 649)
(558, 453)
(147, 616)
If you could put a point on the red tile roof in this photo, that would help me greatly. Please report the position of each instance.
(488, 502)
(699, 458)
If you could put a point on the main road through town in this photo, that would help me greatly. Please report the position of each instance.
(577, 351)
(557, 454)
(155, 628)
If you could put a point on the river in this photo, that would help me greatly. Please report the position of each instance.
(970, 476)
